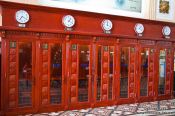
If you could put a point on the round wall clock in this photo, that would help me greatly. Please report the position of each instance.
(139, 28)
(106, 25)
(68, 21)
(166, 30)
(22, 16)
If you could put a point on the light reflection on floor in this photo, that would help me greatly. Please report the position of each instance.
(167, 107)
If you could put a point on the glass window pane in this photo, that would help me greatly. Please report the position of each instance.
(144, 72)
(25, 74)
(124, 64)
(111, 52)
(55, 74)
(83, 79)
(162, 71)
(99, 73)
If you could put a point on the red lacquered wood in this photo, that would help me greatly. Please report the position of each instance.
(45, 26)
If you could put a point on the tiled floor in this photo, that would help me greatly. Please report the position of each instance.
(165, 107)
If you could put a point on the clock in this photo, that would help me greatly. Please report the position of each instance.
(68, 21)
(22, 16)
(166, 30)
(139, 28)
(106, 25)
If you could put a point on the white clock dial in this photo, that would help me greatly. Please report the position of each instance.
(166, 30)
(22, 16)
(106, 25)
(139, 28)
(68, 21)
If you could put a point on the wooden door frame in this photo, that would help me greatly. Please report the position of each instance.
(150, 45)
(51, 107)
(104, 42)
(79, 40)
(173, 79)
(127, 43)
(18, 110)
(165, 45)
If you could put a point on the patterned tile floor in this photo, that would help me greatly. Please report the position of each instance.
(165, 107)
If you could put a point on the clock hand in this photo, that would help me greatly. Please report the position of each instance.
(25, 18)
(20, 17)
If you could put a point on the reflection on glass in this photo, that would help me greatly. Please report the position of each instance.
(162, 71)
(55, 74)
(144, 72)
(111, 52)
(124, 64)
(99, 73)
(83, 73)
(25, 74)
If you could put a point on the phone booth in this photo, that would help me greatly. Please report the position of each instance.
(127, 57)
(19, 81)
(51, 67)
(60, 59)
(104, 76)
(164, 72)
(146, 72)
(79, 72)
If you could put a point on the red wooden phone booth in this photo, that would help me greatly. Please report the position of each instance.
(146, 70)
(46, 67)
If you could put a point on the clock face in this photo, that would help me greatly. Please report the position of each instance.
(22, 16)
(68, 21)
(106, 25)
(166, 30)
(139, 28)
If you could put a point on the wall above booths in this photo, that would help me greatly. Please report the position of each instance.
(145, 9)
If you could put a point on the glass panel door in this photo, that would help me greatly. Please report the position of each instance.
(80, 78)
(99, 73)
(111, 71)
(127, 73)
(25, 74)
(83, 79)
(124, 65)
(162, 71)
(55, 73)
(104, 70)
(20, 68)
(144, 72)
(51, 59)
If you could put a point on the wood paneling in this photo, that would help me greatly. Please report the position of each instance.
(45, 27)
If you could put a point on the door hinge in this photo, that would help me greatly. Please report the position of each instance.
(39, 45)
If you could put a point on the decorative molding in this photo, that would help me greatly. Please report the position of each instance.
(52, 35)
(163, 43)
(146, 42)
(21, 33)
(127, 41)
(83, 37)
